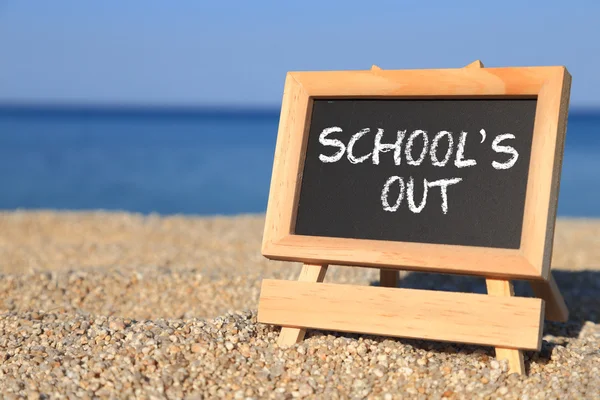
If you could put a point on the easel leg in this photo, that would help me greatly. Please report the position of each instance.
(499, 287)
(388, 278)
(309, 273)
(556, 309)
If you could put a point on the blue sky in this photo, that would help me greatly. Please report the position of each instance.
(197, 53)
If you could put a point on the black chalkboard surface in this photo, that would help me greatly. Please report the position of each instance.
(369, 163)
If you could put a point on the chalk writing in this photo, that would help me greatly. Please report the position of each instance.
(417, 148)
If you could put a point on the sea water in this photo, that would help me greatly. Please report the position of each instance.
(200, 162)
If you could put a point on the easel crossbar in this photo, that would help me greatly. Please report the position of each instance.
(508, 322)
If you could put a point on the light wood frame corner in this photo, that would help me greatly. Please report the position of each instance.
(551, 86)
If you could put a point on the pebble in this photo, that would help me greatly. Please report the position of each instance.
(116, 305)
(116, 325)
(196, 348)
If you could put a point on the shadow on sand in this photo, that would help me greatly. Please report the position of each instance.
(581, 290)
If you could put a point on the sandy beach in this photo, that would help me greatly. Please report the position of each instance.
(118, 305)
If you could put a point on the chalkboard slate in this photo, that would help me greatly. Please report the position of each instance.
(345, 196)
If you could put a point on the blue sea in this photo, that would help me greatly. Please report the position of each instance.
(190, 161)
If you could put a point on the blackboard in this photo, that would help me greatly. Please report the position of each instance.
(356, 154)
(342, 193)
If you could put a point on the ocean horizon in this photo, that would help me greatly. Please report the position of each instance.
(190, 160)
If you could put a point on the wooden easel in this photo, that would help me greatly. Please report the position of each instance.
(556, 308)
(513, 323)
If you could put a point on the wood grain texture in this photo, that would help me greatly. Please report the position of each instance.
(402, 256)
(556, 308)
(287, 164)
(309, 273)
(503, 288)
(551, 86)
(544, 171)
(511, 322)
(456, 82)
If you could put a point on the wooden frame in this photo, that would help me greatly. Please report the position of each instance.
(551, 86)
(516, 324)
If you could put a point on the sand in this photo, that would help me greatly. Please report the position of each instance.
(118, 305)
